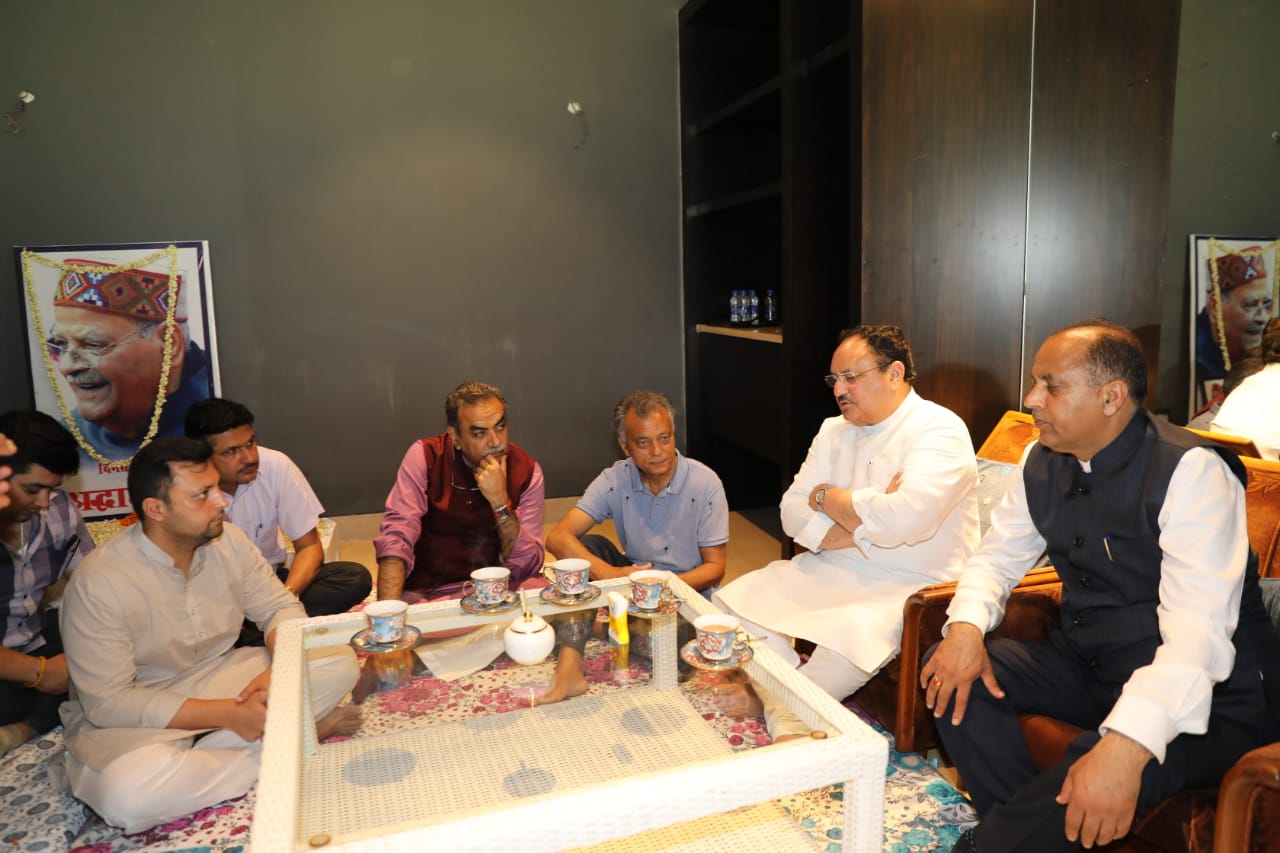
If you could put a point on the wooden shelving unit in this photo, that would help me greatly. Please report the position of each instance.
(771, 334)
(768, 128)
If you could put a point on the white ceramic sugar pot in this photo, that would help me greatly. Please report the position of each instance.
(529, 639)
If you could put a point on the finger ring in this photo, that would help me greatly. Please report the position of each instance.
(936, 681)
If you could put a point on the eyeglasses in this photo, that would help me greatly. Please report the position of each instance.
(89, 352)
(848, 377)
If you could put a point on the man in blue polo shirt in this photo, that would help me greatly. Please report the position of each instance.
(670, 511)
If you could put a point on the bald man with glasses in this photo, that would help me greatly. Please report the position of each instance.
(883, 503)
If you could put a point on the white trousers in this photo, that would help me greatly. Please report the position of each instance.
(160, 782)
(830, 670)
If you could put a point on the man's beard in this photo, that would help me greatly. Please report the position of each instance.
(212, 532)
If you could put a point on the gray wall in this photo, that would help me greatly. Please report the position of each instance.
(1226, 168)
(395, 199)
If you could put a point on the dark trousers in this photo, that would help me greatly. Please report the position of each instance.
(336, 588)
(603, 548)
(1016, 802)
(28, 705)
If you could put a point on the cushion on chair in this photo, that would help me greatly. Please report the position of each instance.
(993, 482)
(1009, 438)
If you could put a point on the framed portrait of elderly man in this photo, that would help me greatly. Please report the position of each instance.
(1233, 295)
(120, 343)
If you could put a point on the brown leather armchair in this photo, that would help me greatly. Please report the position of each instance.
(1248, 800)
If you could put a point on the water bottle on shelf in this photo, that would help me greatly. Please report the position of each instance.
(770, 317)
(753, 307)
(735, 308)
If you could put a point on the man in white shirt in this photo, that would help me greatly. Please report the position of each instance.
(1164, 655)
(1253, 409)
(885, 504)
(268, 495)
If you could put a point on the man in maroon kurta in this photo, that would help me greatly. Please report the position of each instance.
(462, 500)
(466, 499)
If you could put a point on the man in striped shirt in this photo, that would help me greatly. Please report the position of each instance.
(43, 539)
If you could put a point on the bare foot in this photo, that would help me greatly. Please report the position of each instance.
(568, 680)
(785, 738)
(383, 671)
(15, 735)
(343, 720)
(737, 700)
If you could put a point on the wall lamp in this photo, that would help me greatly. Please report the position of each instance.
(24, 98)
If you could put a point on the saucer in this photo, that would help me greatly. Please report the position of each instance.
(663, 609)
(689, 654)
(472, 605)
(363, 642)
(551, 595)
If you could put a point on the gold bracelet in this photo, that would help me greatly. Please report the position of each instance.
(40, 675)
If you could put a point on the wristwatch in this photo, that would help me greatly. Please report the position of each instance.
(502, 513)
(820, 496)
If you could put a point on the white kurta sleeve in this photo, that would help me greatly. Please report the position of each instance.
(1011, 547)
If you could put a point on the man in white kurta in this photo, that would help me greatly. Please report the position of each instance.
(165, 716)
(1253, 408)
(885, 504)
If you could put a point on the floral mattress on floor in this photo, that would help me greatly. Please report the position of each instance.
(922, 811)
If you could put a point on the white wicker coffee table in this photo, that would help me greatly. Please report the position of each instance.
(638, 771)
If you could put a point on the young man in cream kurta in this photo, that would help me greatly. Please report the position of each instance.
(165, 716)
(885, 504)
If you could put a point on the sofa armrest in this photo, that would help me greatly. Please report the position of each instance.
(1032, 611)
(1249, 802)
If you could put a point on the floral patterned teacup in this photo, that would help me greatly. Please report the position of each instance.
(649, 589)
(571, 575)
(386, 620)
(488, 585)
(717, 635)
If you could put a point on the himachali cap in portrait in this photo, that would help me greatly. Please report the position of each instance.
(1238, 270)
(140, 294)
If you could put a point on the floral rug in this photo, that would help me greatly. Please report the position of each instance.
(922, 811)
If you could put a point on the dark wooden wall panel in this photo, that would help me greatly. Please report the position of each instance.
(1103, 122)
(946, 89)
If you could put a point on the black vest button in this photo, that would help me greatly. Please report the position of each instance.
(1078, 541)
(1083, 489)
(1093, 664)
(1078, 620)
(1084, 581)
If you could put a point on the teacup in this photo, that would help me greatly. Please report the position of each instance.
(488, 585)
(717, 635)
(649, 589)
(571, 575)
(386, 620)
